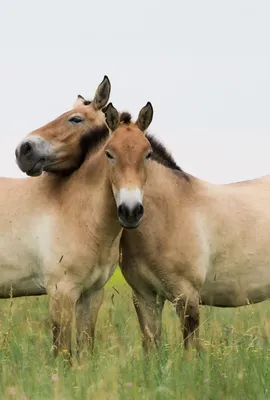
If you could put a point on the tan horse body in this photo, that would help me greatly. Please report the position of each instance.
(34, 248)
(63, 230)
(34, 211)
(198, 242)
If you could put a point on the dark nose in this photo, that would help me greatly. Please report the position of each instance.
(129, 214)
(26, 149)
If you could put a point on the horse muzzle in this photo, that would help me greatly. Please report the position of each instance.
(31, 155)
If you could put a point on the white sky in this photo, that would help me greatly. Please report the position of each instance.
(204, 65)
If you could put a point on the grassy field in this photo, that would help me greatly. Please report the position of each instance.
(235, 362)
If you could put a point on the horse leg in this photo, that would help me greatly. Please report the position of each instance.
(63, 299)
(187, 308)
(87, 309)
(149, 308)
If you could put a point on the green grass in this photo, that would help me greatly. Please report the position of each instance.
(235, 363)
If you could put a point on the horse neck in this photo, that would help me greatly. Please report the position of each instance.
(165, 181)
(86, 196)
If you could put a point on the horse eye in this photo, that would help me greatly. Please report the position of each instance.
(76, 119)
(108, 154)
(148, 155)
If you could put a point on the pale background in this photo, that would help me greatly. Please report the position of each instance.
(204, 65)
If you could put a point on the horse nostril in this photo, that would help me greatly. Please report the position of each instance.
(138, 211)
(121, 211)
(26, 148)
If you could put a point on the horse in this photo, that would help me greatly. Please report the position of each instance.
(197, 244)
(63, 228)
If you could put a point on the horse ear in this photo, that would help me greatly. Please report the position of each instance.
(79, 101)
(145, 117)
(102, 94)
(112, 117)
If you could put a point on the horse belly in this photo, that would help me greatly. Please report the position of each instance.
(28, 286)
(20, 270)
(238, 286)
(20, 280)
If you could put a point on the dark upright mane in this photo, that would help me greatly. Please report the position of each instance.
(125, 117)
(162, 156)
(93, 139)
